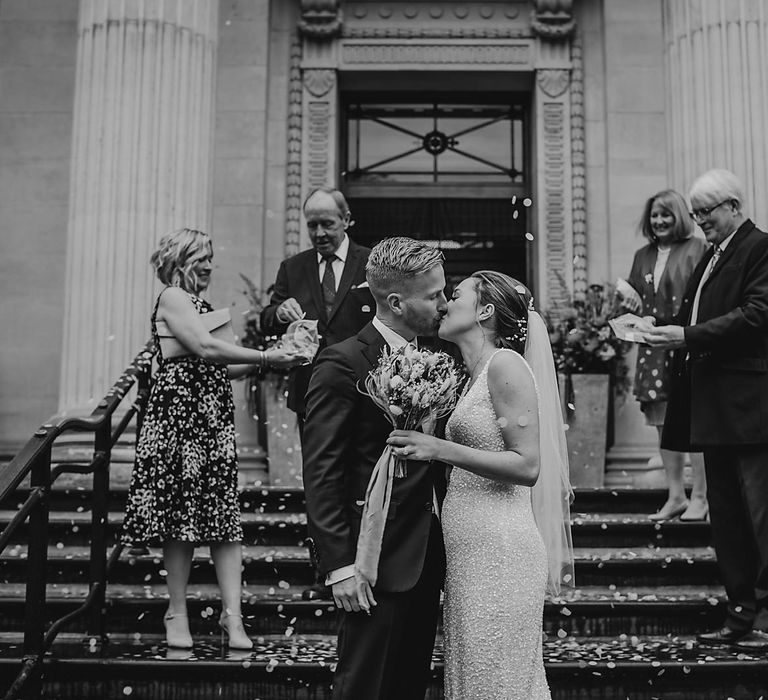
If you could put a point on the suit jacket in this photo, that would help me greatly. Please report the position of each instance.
(654, 368)
(344, 435)
(720, 390)
(298, 277)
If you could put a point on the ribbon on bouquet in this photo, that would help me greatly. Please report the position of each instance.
(377, 497)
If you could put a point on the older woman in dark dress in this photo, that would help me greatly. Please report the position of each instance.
(183, 490)
(659, 275)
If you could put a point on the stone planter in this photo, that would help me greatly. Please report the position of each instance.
(279, 432)
(587, 421)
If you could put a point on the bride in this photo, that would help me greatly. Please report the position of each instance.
(506, 514)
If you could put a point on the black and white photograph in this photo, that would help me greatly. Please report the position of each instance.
(384, 350)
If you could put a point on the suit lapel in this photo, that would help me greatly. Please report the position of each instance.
(693, 284)
(730, 250)
(373, 343)
(351, 266)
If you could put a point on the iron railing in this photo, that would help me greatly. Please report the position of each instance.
(34, 459)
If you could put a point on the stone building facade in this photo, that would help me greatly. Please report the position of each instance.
(121, 120)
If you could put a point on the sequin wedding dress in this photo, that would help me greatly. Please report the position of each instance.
(497, 572)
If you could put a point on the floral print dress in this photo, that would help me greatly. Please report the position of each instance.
(184, 483)
(661, 299)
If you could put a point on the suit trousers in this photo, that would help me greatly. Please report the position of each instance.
(737, 491)
(387, 655)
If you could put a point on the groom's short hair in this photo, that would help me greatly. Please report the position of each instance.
(397, 260)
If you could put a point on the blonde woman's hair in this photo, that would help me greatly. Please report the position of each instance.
(177, 255)
(395, 261)
(673, 202)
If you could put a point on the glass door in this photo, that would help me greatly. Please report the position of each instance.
(447, 168)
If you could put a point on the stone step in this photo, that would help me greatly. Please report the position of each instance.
(290, 528)
(255, 497)
(271, 609)
(265, 565)
(259, 494)
(301, 667)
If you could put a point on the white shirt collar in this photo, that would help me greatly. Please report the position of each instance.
(393, 339)
(726, 241)
(341, 251)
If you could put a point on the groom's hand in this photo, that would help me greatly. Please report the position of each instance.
(347, 596)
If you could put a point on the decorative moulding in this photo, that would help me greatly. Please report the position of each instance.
(293, 169)
(435, 53)
(578, 172)
(319, 81)
(553, 19)
(553, 81)
(321, 20)
(468, 11)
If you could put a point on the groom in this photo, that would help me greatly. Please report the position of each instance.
(384, 653)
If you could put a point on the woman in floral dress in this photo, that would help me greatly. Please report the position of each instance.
(184, 486)
(660, 273)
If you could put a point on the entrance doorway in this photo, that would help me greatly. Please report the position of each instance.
(447, 168)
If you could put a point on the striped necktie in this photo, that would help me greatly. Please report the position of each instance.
(328, 284)
(707, 272)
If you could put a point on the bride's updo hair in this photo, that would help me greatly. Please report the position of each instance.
(511, 300)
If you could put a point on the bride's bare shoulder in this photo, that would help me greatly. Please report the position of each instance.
(509, 370)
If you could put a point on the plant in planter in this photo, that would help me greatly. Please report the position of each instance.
(583, 342)
(591, 362)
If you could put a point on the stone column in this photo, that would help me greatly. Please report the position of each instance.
(141, 166)
(717, 90)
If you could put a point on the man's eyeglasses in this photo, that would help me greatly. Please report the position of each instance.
(704, 212)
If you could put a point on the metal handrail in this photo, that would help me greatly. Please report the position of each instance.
(34, 459)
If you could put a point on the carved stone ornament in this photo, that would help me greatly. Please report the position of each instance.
(320, 19)
(553, 81)
(553, 19)
(319, 81)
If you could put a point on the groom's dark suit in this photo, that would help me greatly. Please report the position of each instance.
(386, 655)
(719, 404)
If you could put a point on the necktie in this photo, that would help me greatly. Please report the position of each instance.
(707, 272)
(328, 284)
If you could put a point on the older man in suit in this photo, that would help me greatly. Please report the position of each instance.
(719, 398)
(325, 283)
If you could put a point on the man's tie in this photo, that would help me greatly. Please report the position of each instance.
(707, 272)
(328, 284)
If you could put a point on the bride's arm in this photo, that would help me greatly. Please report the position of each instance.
(513, 395)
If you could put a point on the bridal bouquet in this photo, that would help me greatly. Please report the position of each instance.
(411, 387)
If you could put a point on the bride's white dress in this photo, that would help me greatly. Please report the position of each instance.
(497, 572)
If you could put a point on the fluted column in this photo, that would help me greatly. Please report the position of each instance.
(717, 87)
(141, 166)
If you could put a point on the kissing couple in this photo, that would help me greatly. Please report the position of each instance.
(483, 512)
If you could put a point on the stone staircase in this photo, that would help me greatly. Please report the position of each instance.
(627, 631)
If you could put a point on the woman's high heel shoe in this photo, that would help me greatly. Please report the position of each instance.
(668, 512)
(237, 639)
(177, 633)
(696, 511)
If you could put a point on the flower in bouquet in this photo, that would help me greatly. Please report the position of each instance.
(413, 386)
